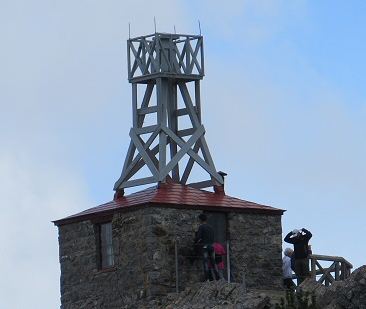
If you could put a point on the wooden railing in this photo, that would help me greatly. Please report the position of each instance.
(340, 269)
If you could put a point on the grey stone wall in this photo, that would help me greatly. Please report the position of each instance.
(145, 247)
(256, 245)
(144, 250)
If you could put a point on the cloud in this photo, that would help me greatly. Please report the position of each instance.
(288, 136)
(65, 104)
(31, 195)
(247, 23)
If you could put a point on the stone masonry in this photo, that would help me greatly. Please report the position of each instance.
(144, 242)
(256, 248)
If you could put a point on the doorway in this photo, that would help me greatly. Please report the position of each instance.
(218, 221)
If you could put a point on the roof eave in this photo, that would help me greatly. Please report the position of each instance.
(107, 213)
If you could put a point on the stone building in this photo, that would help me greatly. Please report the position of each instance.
(124, 250)
(139, 246)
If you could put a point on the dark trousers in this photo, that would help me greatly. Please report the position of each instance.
(288, 283)
(302, 269)
(209, 253)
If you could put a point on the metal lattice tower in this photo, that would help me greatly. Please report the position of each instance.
(168, 67)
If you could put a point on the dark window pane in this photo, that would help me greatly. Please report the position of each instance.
(106, 246)
(218, 222)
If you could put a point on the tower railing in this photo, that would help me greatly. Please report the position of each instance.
(167, 54)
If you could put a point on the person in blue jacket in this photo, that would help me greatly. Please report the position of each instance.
(205, 237)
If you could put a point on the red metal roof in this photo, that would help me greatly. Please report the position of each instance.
(172, 195)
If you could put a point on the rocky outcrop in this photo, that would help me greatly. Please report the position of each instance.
(215, 295)
(350, 293)
(220, 295)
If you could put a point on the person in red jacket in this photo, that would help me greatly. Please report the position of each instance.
(219, 252)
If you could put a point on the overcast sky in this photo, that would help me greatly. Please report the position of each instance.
(283, 106)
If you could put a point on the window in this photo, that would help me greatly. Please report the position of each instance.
(218, 222)
(106, 255)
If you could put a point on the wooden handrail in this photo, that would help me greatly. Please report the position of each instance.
(330, 258)
(340, 266)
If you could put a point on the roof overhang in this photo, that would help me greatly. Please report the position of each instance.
(170, 195)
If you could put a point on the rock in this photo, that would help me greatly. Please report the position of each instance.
(214, 295)
(350, 294)
(310, 285)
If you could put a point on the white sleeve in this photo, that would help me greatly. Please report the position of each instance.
(287, 271)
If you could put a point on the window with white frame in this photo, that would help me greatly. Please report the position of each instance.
(106, 255)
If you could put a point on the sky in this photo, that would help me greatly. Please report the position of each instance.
(283, 104)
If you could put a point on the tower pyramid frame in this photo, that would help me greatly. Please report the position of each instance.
(166, 64)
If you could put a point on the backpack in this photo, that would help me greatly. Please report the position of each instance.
(218, 258)
(293, 261)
